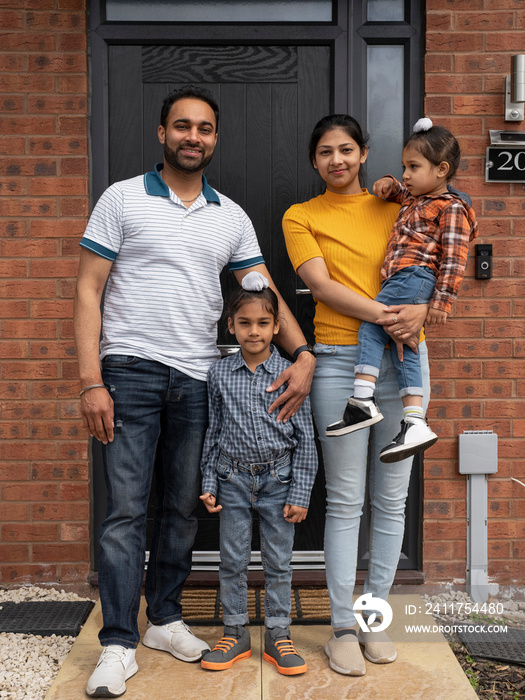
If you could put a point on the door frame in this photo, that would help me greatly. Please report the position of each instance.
(348, 35)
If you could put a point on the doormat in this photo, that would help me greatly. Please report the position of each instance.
(202, 606)
(45, 617)
(503, 646)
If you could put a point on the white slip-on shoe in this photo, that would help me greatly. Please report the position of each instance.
(115, 665)
(359, 413)
(379, 648)
(415, 436)
(175, 638)
(345, 654)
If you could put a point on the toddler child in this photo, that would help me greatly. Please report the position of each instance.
(425, 260)
(251, 462)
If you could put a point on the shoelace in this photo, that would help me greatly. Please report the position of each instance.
(285, 647)
(112, 656)
(225, 644)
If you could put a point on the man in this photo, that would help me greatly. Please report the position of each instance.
(160, 242)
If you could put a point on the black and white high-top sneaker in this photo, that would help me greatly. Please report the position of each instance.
(415, 436)
(359, 413)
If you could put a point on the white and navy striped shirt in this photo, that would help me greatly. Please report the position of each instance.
(241, 427)
(163, 297)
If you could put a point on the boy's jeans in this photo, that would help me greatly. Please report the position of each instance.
(412, 285)
(262, 488)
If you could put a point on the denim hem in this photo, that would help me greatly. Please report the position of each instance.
(411, 391)
(367, 369)
(120, 642)
(234, 620)
(282, 622)
(166, 620)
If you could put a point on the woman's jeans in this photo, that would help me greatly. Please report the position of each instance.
(345, 464)
(161, 417)
(412, 285)
(263, 488)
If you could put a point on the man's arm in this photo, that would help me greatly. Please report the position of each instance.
(96, 405)
(299, 375)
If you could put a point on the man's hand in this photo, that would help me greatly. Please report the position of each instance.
(96, 407)
(299, 379)
(383, 187)
(294, 514)
(436, 317)
(209, 501)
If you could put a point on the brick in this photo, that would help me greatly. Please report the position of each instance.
(436, 509)
(24, 248)
(12, 103)
(449, 530)
(437, 551)
(14, 511)
(29, 370)
(498, 509)
(71, 206)
(495, 369)
(29, 329)
(26, 410)
(11, 145)
(437, 63)
(14, 553)
(31, 532)
(72, 83)
(484, 21)
(74, 573)
(12, 62)
(453, 84)
(443, 410)
(60, 552)
(30, 492)
(499, 549)
(484, 62)
(12, 187)
(75, 166)
(482, 348)
(436, 489)
(504, 41)
(61, 511)
(27, 82)
(502, 426)
(27, 125)
(13, 350)
(57, 63)
(28, 207)
(28, 573)
(28, 166)
(47, 471)
(58, 186)
(441, 389)
(13, 268)
(57, 349)
(58, 229)
(73, 532)
(54, 430)
(55, 20)
(55, 389)
(436, 105)
(484, 389)
(439, 348)
(452, 42)
(456, 369)
(21, 41)
(59, 145)
(13, 390)
(13, 430)
(57, 104)
(52, 309)
(449, 571)
(72, 126)
(73, 450)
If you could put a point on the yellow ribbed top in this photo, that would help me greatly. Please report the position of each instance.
(351, 233)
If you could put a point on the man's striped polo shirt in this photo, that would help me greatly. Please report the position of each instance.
(163, 296)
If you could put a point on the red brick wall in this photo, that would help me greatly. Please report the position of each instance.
(44, 473)
(478, 360)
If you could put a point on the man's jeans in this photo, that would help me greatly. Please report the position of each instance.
(158, 411)
(412, 285)
(262, 488)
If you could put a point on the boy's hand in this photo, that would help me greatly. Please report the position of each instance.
(383, 187)
(209, 501)
(436, 317)
(294, 514)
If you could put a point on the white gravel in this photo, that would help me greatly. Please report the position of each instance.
(29, 663)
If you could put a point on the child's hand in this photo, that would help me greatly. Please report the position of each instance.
(294, 514)
(209, 501)
(436, 317)
(383, 187)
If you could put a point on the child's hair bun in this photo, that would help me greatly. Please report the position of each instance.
(423, 124)
(254, 282)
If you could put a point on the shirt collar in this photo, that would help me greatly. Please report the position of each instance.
(270, 365)
(156, 187)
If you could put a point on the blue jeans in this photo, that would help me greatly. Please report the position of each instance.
(345, 463)
(412, 285)
(263, 488)
(158, 411)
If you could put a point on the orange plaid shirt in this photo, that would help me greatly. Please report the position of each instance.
(434, 232)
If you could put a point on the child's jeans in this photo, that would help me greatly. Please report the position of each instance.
(262, 488)
(412, 285)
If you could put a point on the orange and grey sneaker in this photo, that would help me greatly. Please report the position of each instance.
(279, 650)
(234, 646)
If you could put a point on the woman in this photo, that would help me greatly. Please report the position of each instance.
(337, 242)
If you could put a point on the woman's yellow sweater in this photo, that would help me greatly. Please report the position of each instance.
(350, 232)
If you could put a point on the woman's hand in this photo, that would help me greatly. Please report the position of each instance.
(403, 323)
(299, 378)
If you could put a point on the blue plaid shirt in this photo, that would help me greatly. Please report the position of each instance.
(240, 426)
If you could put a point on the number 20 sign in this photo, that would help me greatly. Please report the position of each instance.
(505, 164)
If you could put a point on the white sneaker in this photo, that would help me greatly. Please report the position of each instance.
(177, 639)
(415, 436)
(115, 665)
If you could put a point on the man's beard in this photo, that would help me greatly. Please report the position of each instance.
(185, 164)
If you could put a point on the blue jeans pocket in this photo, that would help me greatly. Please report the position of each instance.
(224, 471)
(283, 474)
(119, 360)
(320, 349)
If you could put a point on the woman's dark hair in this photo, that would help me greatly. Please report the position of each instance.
(192, 92)
(437, 145)
(242, 296)
(337, 121)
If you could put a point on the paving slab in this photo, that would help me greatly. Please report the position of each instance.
(426, 668)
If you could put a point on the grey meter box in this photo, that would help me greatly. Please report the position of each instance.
(478, 452)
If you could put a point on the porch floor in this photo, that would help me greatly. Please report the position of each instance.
(426, 668)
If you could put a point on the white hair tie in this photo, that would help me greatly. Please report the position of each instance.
(423, 124)
(254, 282)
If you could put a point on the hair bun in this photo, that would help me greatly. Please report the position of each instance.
(423, 124)
(254, 282)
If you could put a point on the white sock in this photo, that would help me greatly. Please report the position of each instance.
(363, 389)
(413, 412)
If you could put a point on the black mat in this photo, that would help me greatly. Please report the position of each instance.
(503, 646)
(45, 617)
